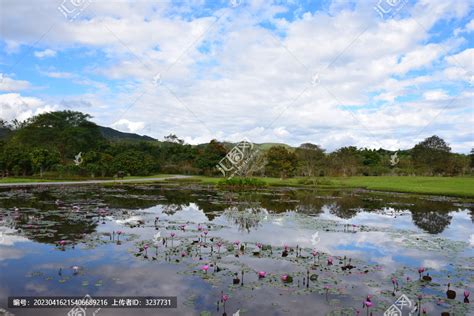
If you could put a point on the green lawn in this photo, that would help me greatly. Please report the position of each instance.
(53, 178)
(450, 186)
(152, 176)
(24, 180)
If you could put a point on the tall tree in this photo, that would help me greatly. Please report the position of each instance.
(209, 156)
(280, 162)
(471, 155)
(310, 157)
(42, 159)
(345, 161)
(67, 132)
(431, 155)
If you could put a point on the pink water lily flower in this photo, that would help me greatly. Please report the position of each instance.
(205, 268)
(466, 294)
(330, 261)
(262, 274)
(284, 277)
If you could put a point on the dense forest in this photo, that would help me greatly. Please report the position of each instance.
(50, 142)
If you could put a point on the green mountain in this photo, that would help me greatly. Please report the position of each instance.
(114, 135)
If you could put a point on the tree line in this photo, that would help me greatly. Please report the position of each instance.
(50, 142)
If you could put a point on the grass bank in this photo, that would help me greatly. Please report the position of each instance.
(449, 186)
(57, 178)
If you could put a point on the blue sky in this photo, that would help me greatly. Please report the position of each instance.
(234, 69)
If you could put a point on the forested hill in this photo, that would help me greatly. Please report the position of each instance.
(49, 142)
(114, 135)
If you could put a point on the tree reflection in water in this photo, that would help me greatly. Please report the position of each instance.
(245, 217)
(171, 209)
(433, 222)
(39, 212)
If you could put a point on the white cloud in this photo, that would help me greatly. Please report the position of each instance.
(232, 78)
(129, 126)
(435, 95)
(281, 132)
(45, 53)
(470, 26)
(11, 85)
(15, 106)
(58, 74)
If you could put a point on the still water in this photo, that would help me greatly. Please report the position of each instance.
(318, 252)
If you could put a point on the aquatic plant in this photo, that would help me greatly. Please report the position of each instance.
(368, 304)
(451, 294)
(225, 298)
(172, 238)
(330, 261)
(420, 271)
(314, 253)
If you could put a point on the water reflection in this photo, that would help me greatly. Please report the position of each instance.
(245, 217)
(379, 232)
(245, 210)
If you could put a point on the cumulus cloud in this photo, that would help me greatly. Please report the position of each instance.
(11, 85)
(128, 126)
(247, 72)
(45, 53)
(16, 106)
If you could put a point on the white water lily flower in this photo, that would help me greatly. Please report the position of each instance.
(237, 313)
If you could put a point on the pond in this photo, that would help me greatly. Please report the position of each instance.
(273, 251)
